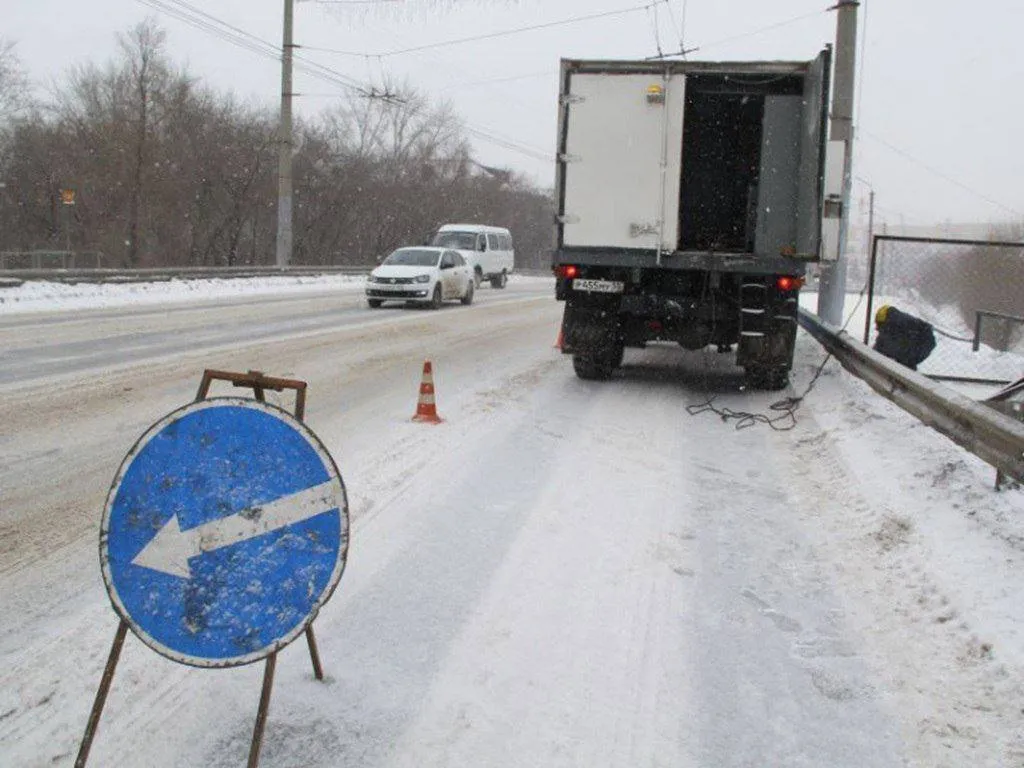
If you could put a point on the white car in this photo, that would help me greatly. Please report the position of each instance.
(422, 275)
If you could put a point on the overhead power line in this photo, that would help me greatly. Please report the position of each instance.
(936, 172)
(510, 144)
(676, 26)
(496, 80)
(653, 11)
(743, 35)
(492, 35)
(236, 36)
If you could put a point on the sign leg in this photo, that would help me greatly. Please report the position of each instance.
(314, 654)
(101, 694)
(261, 715)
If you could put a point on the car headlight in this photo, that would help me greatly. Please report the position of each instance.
(371, 279)
(422, 278)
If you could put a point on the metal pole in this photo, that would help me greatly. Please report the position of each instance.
(67, 230)
(314, 653)
(284, 174)
(261, 714)
(871, 214)
(101, 695)
(871, 288)
(833, 276)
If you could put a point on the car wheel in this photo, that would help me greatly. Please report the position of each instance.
(499, 281)
(467, 299)
(436, 298)
(374, 303)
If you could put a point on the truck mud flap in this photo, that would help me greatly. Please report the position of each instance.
(588, 329)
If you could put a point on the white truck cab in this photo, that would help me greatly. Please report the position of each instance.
(488, 250)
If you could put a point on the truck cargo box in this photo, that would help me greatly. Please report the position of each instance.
(685, 165)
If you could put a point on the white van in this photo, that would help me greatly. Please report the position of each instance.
(488, 250)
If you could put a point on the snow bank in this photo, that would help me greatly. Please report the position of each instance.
(42, 296)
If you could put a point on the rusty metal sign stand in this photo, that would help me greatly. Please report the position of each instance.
(259, 383)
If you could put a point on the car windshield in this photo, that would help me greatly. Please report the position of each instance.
(466, 241)
(412, 257)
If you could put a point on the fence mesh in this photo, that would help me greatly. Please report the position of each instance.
(972, 293)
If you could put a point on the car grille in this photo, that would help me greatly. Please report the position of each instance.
(395, 280)
(410, 294)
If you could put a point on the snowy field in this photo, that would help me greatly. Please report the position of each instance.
(563, 573)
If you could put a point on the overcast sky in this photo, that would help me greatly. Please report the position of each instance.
(940, 104)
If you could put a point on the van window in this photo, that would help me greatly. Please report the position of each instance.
(465, 241)
(493, 243)
(506, 242)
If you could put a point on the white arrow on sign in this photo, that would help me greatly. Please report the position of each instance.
(170, 550)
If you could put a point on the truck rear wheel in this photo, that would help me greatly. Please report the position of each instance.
(499, 281)
(589, 369)
(768, 378)
(597, 367)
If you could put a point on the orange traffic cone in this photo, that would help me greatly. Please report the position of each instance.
(426, 409)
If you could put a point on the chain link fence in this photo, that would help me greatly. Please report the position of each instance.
(970, 291)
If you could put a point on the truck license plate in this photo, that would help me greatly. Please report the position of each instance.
(598, 286)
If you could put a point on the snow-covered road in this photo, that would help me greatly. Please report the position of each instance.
(564, 573)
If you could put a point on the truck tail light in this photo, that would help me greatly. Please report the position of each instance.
(567, 270)
(788, 283)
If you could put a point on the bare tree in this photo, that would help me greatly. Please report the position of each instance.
(169, 172)
(148, 74)
(15, 94)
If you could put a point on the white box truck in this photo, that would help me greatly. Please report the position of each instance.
(689, 202)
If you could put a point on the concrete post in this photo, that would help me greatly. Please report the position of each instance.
(832, 291)
(284, 174)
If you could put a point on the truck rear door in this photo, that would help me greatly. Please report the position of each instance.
(619, 168)
(812, 156)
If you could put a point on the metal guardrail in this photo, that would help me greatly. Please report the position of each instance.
(992, 436)
(51, 259)
(158, 274)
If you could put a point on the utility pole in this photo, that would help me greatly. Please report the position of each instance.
(832, 291)
(284, 173)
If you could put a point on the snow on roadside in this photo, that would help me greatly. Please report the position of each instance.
(930, 556)
(43, 296)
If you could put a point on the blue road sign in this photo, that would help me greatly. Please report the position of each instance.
(225, 531)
